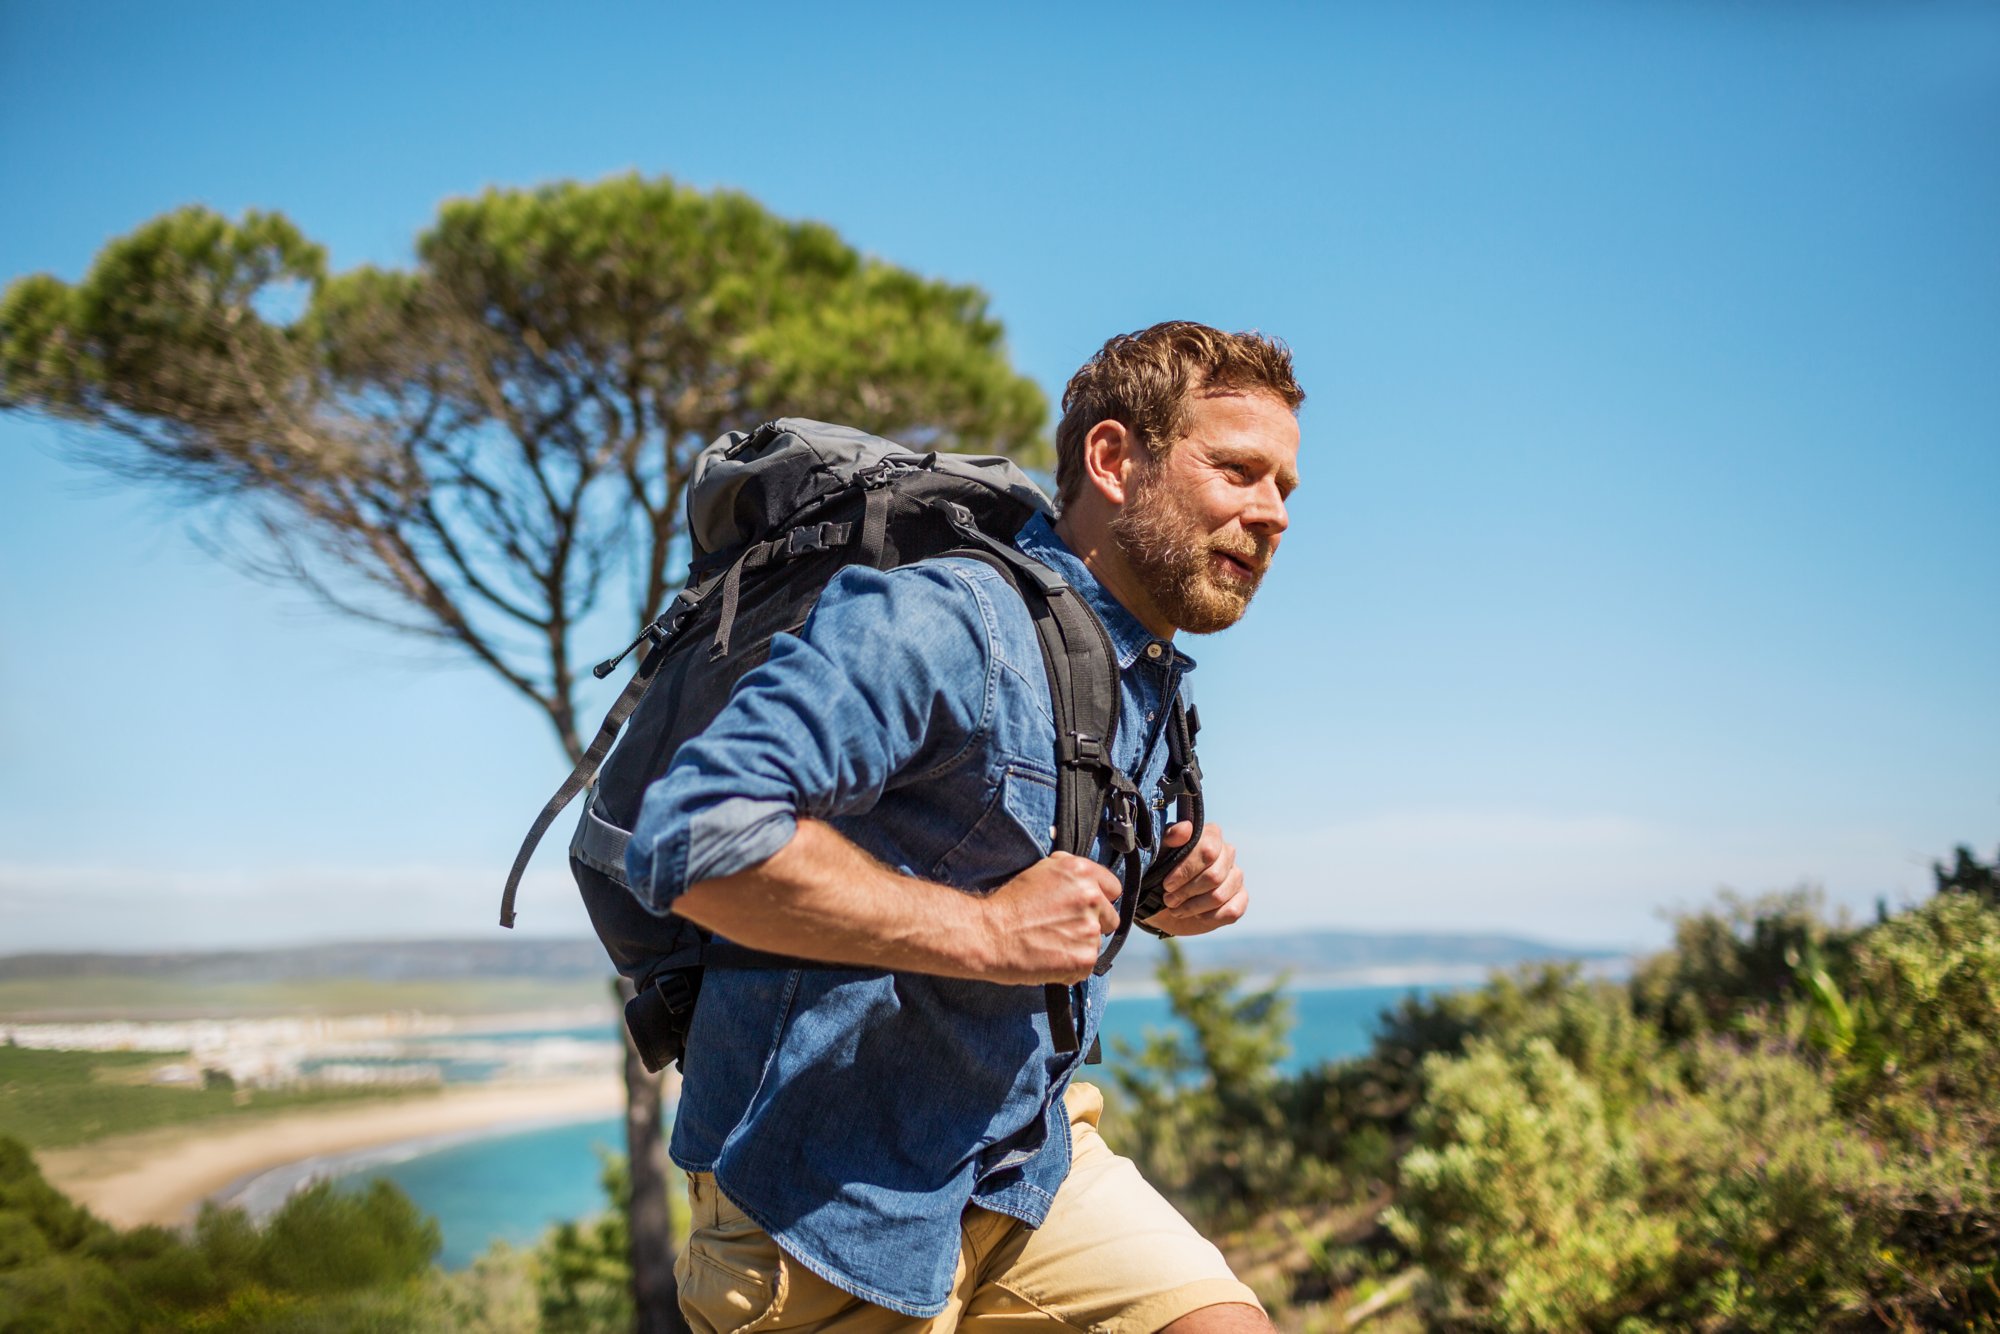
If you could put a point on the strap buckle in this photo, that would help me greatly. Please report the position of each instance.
(676, 991)
(1127, 820)
(1184, 782)
(685, 602)
(800, 541)
(1080, 750)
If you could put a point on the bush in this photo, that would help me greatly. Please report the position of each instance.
(1729, 963)
(1932, 977)
(1810, 1144)
(326, 1239)
(1522, 1198)
(1776, 1198)
(1968, 875)
(583, 1279)
(329, 1261)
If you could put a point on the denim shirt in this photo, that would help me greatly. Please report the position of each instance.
(854, 1113)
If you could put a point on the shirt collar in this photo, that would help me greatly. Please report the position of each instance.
(1129, 639)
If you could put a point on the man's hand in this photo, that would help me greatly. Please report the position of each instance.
(1046, 924)
(1206, 890)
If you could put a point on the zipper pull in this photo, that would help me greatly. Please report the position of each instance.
(664, 627)
(609, 665)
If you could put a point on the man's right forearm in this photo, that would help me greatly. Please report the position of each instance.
(821, 897)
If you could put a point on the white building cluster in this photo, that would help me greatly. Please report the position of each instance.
(391, 1050)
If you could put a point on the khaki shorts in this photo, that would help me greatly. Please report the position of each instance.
(1112, 1256)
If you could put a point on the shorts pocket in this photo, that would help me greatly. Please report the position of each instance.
(728, 1277)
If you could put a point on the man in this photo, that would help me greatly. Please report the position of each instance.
(895, 1143)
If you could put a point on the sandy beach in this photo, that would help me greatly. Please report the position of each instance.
(163, 1176)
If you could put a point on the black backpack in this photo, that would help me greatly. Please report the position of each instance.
(773, 514)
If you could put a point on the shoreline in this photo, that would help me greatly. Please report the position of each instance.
(163, 1176)
(263, 1192)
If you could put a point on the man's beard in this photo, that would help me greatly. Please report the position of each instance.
(1175, 559)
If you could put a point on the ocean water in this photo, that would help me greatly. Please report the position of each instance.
(514, 1187)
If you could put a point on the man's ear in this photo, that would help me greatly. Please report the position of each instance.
(1110, 457)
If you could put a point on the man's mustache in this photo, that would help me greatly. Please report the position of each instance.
(1257, 555)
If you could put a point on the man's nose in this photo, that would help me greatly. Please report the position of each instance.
(1266, 512)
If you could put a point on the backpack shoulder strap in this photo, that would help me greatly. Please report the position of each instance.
(1091, 791)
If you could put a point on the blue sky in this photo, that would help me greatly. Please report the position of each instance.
(1645, 542)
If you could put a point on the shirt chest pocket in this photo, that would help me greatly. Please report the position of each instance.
(1014, 831)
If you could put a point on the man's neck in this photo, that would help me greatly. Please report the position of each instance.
(1093, 544)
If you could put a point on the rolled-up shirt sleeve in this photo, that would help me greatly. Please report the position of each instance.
(890, 678)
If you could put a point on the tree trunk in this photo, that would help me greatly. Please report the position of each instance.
(655, 1299)
(655, 1296)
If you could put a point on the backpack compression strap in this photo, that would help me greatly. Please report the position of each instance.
(802, 540)
(657, 635)
(1083, 690)
(1184, 786)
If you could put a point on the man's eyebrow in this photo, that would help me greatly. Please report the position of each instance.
(1288, 476)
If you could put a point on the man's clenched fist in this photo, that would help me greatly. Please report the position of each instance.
(1206, 890)
(1045, 925)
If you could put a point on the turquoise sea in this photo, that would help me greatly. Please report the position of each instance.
(513, 1187)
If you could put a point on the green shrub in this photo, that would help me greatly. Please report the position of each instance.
(1729, 963)
(326, 1239)
(64, 1294)
(329, 1261)
(1933, 978)
(496, 1295)
(1814, 1151)
(1590, 1024)
(1522, 1198)
(584, 1269)
(1776, 1196)
(1968, 875)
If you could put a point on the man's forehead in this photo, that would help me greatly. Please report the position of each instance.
(1239, 407)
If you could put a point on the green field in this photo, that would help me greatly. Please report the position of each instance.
(25, 1000)
(54, 1099)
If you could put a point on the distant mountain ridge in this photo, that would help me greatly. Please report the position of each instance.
(1301, 953)
(1335, 953)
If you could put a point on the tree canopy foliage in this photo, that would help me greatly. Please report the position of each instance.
(488, 445)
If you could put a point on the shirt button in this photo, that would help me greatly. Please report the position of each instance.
(1152, 650)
